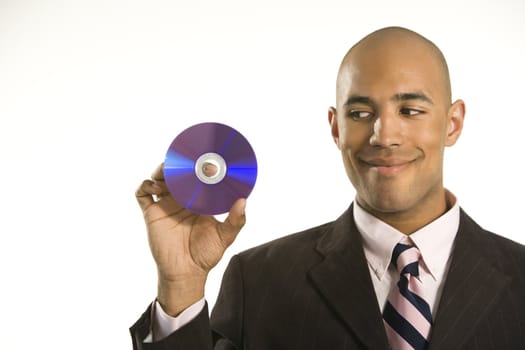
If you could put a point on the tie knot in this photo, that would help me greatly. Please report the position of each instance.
(406, 259)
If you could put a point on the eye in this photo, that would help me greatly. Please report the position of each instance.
(411, 112)
(359, 114)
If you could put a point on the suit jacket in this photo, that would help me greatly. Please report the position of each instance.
(313, 290)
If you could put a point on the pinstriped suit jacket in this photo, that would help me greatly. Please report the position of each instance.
(313, 290)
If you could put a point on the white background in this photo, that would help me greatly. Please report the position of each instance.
(92, 93)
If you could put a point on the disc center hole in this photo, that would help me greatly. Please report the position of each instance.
(210, 168)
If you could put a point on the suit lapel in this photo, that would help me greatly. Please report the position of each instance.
(343, 279)
(473, 286)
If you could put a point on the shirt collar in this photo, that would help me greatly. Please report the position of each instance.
(434, 240)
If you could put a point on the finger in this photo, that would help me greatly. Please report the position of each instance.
(162, 185)
(234, 221)
(158, 174)
(164, 190)
(145, 192)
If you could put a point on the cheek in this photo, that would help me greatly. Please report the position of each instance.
(355, 135)
(433, 135)
(352, 141)
(431, 140)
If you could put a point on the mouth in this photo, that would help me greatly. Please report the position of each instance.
(386, 166)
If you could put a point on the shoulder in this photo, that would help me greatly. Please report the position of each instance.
(512, 254)
(291, 257)
(301, 243)
(284, 262)
(507, 251)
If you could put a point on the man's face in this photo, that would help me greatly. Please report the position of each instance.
(393, 120)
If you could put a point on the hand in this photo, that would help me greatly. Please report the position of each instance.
(185, 245)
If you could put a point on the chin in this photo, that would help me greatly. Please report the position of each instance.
(386, 204)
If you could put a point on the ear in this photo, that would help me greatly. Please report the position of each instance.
(456, 116)
(332, 120)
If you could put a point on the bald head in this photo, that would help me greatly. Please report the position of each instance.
(395, 49)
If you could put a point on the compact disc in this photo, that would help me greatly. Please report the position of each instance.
(208, 167)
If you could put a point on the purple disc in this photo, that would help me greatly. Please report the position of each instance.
(208, 167)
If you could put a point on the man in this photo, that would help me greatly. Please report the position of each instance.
(336, 286)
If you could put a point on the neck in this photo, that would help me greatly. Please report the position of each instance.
(410, 220)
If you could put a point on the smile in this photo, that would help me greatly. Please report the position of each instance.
(387, 167)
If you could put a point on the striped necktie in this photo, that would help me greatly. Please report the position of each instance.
(407, 315)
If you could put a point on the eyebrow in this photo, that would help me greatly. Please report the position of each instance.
(406, 96)
(359, 99)
(403, 96)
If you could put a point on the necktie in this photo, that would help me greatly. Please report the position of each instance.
(407, 315)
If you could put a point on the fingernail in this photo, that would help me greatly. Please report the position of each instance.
(244, 208)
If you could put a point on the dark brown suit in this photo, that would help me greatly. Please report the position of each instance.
(313, 290)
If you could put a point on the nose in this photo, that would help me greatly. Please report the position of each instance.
(387, 131)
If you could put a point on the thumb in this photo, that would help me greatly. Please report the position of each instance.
(234, 222)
